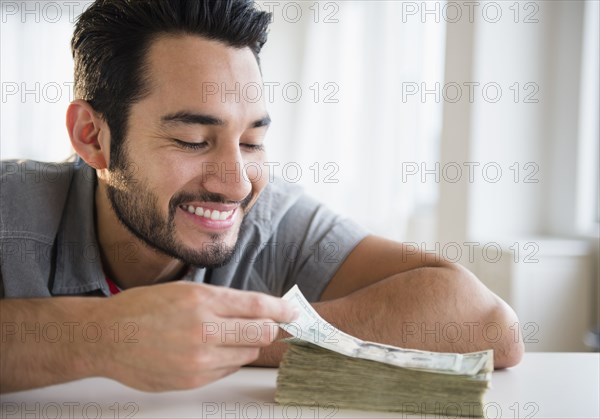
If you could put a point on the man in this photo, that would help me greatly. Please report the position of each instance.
(168, 211)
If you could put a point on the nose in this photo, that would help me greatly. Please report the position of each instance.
(224, 173)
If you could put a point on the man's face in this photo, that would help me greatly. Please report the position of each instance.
(192, 150)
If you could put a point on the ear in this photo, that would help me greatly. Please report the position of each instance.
(89, 134)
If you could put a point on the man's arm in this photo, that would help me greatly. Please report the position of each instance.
(161, 337)
(37, 347)
(385, 292)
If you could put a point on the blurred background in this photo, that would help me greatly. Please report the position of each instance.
(470, 129)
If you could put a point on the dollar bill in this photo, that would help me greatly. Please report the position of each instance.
(312, 328)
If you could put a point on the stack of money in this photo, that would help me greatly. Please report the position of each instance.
(325, 366)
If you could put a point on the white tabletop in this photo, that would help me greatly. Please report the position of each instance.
(544, 385)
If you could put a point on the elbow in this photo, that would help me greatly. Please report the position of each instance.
(507, 342)
(509, 349)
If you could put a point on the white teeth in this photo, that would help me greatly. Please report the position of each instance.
(212, 215)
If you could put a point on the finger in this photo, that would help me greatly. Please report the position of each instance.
(226, 357)
(255, 305)
(224, 372)
(191, 380)
(240, 332)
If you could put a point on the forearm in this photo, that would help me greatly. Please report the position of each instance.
(436, 309)
(43, 341)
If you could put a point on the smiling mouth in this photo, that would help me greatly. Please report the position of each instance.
(214, 215)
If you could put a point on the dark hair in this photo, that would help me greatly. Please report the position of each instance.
(112, 38)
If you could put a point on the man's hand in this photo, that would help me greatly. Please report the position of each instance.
(156, 338)
(188, 335)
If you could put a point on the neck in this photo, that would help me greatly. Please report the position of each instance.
(127, 260)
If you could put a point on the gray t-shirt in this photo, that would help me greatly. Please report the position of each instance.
(48, 243)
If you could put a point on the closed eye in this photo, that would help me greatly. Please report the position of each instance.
(190, 146)
(253, 147)
(204, 144)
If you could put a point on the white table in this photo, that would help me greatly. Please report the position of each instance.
(544, 385)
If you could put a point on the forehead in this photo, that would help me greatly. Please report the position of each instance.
(188, 72)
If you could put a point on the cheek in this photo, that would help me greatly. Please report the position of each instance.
(258, 175)
(168, 175)
(259, 184)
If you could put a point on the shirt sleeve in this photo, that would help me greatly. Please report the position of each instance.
(309, 245)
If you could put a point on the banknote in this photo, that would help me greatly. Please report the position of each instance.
(312, 328)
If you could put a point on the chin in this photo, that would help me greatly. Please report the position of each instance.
(210, 240)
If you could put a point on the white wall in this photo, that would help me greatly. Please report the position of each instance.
(365, 52)
(530, 132)
(36, 72)
(512, 225)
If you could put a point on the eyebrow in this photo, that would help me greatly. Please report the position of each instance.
(191, 118)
